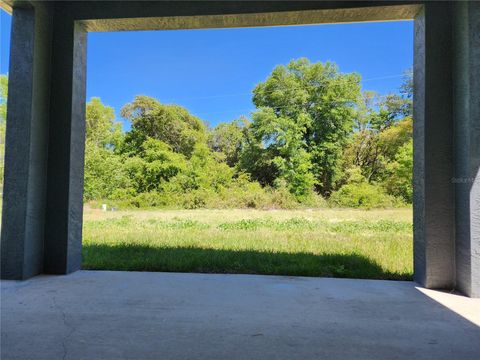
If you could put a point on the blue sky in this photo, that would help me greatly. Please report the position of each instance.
(212, 72)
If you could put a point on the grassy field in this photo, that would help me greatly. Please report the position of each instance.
(375, 244)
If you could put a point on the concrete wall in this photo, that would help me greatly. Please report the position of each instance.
(44, 182)
(64, 210)
(433, 200)
(466, 95)
(45, 140)
(26, 142)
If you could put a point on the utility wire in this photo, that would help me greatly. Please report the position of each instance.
(268, 92)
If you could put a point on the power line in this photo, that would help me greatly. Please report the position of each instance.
(339, 101)
(268, 92)
(384, 77)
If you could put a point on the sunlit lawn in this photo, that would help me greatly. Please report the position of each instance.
(325, 242)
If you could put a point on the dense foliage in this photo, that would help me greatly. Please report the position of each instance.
(305, 116)
(315, 137)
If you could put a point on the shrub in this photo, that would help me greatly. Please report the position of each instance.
(104, 173)
(123, 193)
(399, 181)
(363, 195)
(241, 193)
(196, 199)
(314, 201)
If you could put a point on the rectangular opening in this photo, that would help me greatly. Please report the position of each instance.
(278, 191)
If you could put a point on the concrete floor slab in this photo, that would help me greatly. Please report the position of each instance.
(132, 315)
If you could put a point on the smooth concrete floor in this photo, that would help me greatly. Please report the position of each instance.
(131, 315)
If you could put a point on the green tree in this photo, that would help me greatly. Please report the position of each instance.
(204, 171)
(280, 141)
(383, 129)
(365, 111)
(105, 173)
(101, 128)
(228, 139)
(172, 124)
(306, 108)
(406, 89)
(155, 164)
(104, 169)
(256, 159)
(394, 107)
(399, 181)
(371, 149)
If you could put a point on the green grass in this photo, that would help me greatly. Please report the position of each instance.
(375, 244)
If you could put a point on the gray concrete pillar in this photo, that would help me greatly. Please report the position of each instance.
(433, 202)
(26, 143)
(64, 211)
(466, 93)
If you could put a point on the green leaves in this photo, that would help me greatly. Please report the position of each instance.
(3, 98)
(399, 181)
(104, 172)
(172, 124)
(228, 138)
(305, 115)
(101, 128)
(313, 134)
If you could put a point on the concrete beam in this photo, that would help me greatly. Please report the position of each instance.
(304, 17)
(134, 11)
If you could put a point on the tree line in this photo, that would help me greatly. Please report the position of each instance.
(314, 138)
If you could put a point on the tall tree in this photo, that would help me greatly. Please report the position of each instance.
(156, 163)
(399, 181)
(394, 107)
(171, 124)
(371, 149)
(104, 172)
(383, 126)
(101, 128)
(228, 138)
(306, 108)
(279, 142)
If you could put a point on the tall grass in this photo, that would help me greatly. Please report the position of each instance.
(327, 242)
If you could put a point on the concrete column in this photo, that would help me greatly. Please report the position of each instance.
(467, 145)
(64, 211)
(433, 202)
(26, 143)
